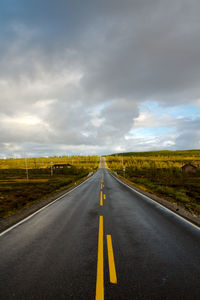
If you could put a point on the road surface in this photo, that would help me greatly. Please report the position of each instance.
(101, 241)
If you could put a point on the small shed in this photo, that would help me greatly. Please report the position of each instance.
(61, 166)
(189, 168)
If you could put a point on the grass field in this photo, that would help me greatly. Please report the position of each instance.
(89, 162)
(17, 193)
(160, 172)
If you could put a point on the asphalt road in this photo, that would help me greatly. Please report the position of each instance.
(153, 254)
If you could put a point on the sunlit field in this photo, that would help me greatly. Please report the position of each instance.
(17, 190)
(160, 172)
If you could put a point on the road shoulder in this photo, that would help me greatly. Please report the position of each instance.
(7, 222)
(173, 206)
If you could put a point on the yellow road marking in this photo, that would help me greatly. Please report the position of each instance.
(111, 261)
(101, 186)
(101, 199)
(104, 197)
(100, 271)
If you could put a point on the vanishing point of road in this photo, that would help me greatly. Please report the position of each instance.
(101, 241)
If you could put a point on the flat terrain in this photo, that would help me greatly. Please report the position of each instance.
(54, 254)
(160, 172)
(16, 193)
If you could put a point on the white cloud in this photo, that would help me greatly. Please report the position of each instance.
(11, 147)
(76, 80)
(168, 143)
(151, 119)
(119, 149)
(21, 120)
(97, 121)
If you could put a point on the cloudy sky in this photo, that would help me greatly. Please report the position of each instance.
(98, 77)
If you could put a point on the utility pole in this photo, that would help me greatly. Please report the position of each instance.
(51, 169)
(26, 167)
(123, 165)
(35, 163)
(124, 169)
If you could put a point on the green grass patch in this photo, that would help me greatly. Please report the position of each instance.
(160, 173)
(17, 193)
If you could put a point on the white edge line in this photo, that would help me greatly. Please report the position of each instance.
(169, 210)
(39, 210)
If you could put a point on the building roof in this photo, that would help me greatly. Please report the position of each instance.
(64, 165)
(188, 165)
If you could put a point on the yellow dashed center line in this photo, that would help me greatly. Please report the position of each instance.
(101, 199)
(100, 258)
(111, 261)
(100, 269)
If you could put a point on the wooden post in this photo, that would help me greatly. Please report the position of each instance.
(26, 167)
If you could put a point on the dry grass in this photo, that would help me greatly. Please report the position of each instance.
(17, 193)
(159, 172)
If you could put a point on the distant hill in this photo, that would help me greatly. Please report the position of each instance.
(194, 152)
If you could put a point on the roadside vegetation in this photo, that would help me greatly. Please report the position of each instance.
(160, 172)
(89, 162)
(16, 192)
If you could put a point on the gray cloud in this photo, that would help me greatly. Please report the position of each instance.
(80, 71)
(188, 134)
(150, 54)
